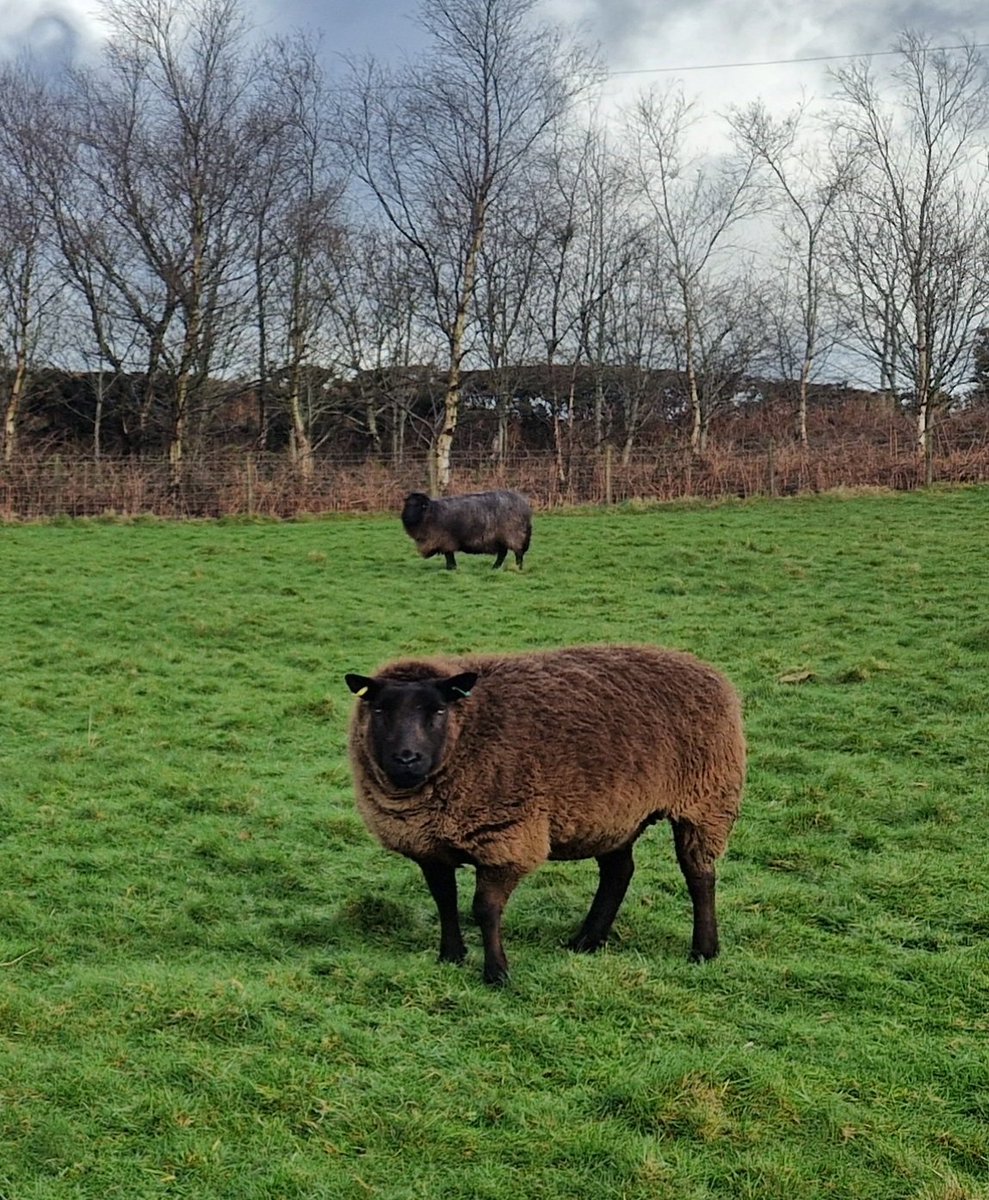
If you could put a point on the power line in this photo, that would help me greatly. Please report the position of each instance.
(780, 62)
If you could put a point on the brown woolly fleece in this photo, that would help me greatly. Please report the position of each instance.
(566, 754)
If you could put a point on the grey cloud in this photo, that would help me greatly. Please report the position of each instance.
(671, 32)
(53, 33)
(381, 28)
(871, 28)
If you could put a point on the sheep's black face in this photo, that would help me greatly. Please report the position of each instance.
(414, 509)
(408, 723)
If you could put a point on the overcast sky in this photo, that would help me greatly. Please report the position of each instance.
(635, 36)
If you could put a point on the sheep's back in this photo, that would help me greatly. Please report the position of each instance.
(615, 721)
(478, 522)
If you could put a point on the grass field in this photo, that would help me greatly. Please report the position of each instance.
(214, 984)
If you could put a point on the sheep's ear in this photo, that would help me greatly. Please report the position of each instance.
(458, 687)
(362, 686)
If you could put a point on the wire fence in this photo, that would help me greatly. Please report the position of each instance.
(251, 484)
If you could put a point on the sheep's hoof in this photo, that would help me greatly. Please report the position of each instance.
(699, 956)
(580, 943)
(496, 976)
(453, 954)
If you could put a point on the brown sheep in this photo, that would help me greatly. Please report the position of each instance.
(504, 761)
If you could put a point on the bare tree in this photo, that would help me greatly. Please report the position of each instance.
(165, 163)
(377, 297)
(90, 256)
(298, 223)
(921, 197)
(868, 272)
(639, 339)
(696, 201)
(507, 269)
(810, 183)
(440, 145)
(548, 269)
(553, 304)
(28, 288)
(731, 340)
(585, 244)
(613, 244)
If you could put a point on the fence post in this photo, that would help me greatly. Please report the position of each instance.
(608, 456)
(433, 474)
(251, 469)
(772, 466)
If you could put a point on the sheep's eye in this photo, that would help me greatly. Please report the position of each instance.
(438, 712)
(377, 709)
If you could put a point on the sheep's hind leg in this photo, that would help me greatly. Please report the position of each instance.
(494, 886)
(451, 562)
(697, 866)
(615, 872)
(442, 883)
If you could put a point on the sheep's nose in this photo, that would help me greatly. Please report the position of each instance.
(407, 758)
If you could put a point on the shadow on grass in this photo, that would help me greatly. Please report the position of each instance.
(363, 919)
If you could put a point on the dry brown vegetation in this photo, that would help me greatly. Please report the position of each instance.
(856, 440)
(248, 484)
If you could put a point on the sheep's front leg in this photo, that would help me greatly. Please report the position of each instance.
(615, 874)
(442, 883)
(500, 557)
(494, 886)
(451, 561)
(697, 865)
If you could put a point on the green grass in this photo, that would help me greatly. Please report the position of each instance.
(214, 984)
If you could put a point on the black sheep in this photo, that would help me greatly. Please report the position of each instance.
(478, 523)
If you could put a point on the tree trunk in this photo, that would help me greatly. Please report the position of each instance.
(444, 443)
(261, 391)
(501, 437)
(18, 385)
(451, 399)
(598, 415)
(12, 411)
(191, 347)
(297, 353)
(98, 418)
(925, 445)
(922, 389)
(631, 424)
(697, 438)
(176, 445)
(301, 441)
(398, 432)
(374, 433)
(697, 429)
(800, 418)
(561, 470)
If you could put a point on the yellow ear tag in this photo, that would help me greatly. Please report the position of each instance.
(362, 691)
